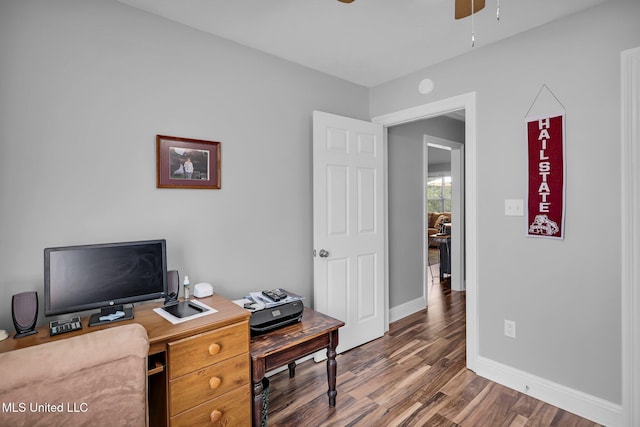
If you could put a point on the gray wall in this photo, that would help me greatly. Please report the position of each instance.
(405, 170)
(87, 84)
(564, 295)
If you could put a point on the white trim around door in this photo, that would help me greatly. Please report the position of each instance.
(468, 103)
(630, 241)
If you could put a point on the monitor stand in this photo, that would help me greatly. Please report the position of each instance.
(95, 318)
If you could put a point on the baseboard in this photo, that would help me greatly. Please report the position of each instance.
(576, 402)
(406, 309)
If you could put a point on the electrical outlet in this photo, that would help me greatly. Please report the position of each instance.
(514, 207)
(510, 328)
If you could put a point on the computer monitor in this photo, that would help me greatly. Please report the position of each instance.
(105, 276)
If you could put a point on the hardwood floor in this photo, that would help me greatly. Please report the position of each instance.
(413, 376)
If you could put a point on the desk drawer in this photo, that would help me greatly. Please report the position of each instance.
(208, 383)
(233, 409)
(193, 353)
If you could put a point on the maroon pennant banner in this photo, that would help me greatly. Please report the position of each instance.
(545, 138)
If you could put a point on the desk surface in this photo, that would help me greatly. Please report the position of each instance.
(313, 324)
(158, 329)
(440, 238)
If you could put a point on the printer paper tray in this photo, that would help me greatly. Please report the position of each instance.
(280, 323)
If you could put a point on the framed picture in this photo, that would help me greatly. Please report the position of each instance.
(187, 163)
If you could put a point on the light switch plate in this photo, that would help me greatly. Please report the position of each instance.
(514, 207)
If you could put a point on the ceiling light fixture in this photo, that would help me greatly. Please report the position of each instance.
(466, 8)
(473, 35)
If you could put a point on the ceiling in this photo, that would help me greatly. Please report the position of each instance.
(367, 42)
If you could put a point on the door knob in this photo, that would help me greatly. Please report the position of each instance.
(324, 253)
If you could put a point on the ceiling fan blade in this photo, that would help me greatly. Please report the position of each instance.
(463, 7)
(346, 1)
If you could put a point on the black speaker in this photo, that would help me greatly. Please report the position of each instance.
(24, 310)
(173, 286)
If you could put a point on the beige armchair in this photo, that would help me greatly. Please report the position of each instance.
(95, 379)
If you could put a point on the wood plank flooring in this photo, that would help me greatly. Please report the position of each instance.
(413, 376)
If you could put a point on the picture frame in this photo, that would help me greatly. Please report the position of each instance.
(187, 163)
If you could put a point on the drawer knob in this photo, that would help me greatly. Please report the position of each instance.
(216, 416)
(214, 382)
(214, 349)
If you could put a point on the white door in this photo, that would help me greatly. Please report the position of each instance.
(348, 233)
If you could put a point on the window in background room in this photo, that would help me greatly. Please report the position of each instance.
(439, 194)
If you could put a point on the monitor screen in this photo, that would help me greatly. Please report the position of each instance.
(78, 278)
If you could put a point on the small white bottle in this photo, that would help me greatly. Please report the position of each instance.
(186, 288)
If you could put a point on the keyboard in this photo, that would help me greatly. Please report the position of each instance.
(58, 327)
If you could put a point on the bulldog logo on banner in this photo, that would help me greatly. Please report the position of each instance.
(545, 138)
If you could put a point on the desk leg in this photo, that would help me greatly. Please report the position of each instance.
(441, 261)
(332, 367)
(256, 375)
(292, 369)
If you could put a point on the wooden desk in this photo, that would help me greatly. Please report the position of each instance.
(177, 354)
(285, 345)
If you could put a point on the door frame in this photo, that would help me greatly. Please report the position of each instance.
(630, 230)
(437, 108)
(456, 149)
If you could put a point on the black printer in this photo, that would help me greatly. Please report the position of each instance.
(275, 317)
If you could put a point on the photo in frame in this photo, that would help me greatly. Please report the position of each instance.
(187, 163)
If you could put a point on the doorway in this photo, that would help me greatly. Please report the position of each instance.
(436, 151)
(418, 196)
(467, 103)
